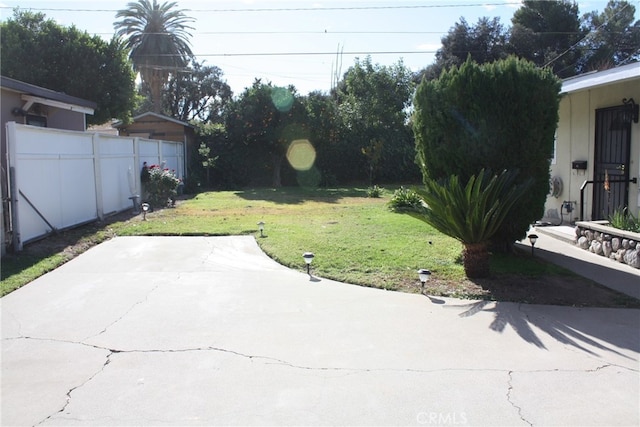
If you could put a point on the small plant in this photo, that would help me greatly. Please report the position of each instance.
(162, 186)
(405, 199)
(374, 192)
(622, 219)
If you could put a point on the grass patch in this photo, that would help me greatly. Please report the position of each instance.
(355, 239)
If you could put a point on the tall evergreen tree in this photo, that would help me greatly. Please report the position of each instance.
(546, 32)
(613, 37)
(498, 116)
(484, 42)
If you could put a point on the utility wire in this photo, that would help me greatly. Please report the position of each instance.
(606, 21)
(305, 53)
(296, 9)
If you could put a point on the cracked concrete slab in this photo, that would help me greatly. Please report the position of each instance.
(210, 331)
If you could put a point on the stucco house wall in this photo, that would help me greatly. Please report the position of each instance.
(575, 140)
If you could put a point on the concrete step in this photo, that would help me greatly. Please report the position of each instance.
(564, 233)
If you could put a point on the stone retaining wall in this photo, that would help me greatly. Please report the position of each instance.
(619, 245)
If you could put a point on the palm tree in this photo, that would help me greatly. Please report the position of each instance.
(157, 37)
(472, 213)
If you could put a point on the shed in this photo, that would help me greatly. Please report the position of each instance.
(157, 126)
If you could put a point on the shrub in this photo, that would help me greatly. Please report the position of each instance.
(622, 219)
(374, 192)
(472, 213)
(162, 186)
(405, 199)
(500, 115)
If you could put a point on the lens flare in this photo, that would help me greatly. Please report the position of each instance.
(282, 99)
(301, 155)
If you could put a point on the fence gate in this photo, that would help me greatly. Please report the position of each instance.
(611, 161)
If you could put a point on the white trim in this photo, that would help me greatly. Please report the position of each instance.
(601, 78)
(57, 104)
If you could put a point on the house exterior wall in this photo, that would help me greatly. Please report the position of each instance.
(56, 117)
(575, 140)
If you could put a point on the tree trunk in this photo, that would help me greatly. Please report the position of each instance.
(156, 80)
(475, 259)
(277, 166)
(156, 84)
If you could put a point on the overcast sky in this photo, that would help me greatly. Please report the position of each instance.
(297, 42)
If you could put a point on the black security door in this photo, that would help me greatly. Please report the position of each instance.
(611, 168)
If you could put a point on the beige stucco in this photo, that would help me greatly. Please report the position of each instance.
(575, 141)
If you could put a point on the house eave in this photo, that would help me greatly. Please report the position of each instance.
(599, 79)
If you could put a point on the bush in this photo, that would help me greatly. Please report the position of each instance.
(498, 116)
(472, 213)
(374, 192)
(404, 199)
(622, 219)
(162, 186)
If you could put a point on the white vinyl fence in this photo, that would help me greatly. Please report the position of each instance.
(60, 178)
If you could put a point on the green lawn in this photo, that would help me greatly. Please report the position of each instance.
(355, 239)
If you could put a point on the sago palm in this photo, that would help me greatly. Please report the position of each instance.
(158, 39)
(471, 213)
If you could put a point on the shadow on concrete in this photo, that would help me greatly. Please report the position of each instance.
(619, 280)
(586, 329)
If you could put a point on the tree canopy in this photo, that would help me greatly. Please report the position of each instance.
(613, 37)
(373, 102)
(158, 38)
(544, 32)
(548, 33)
(41, 52)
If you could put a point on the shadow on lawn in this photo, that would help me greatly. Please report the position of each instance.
(297, 195)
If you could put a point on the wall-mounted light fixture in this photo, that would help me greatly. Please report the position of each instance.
(634, 109)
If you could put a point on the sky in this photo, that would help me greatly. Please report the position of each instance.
(300, 43)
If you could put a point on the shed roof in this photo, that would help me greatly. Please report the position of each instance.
(119, 123)
(602, 78)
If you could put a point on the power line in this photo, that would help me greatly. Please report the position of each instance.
(606, 21)
(400, 52)
(294, 9)
(321, 53)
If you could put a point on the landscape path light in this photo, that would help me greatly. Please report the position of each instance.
(424, 276)
(261, 228)
(145, 209)
(308, 257)
(533, 238)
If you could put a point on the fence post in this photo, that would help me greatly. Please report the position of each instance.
(97, 172)
(16, 241)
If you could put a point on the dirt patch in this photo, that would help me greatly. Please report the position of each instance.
(550, 290)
